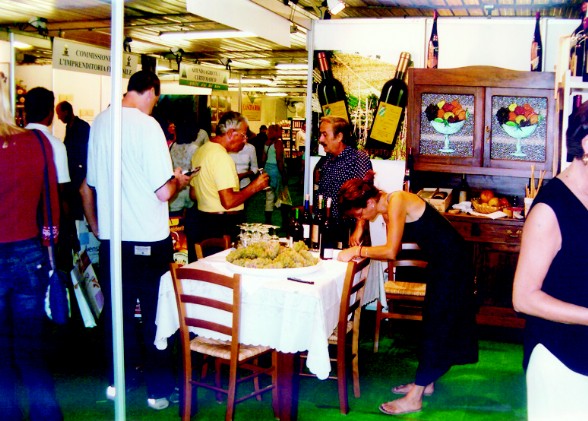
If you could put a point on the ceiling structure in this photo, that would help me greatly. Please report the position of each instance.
(88, 21)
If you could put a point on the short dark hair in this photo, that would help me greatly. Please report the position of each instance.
(144, 80)
(262, 127)
(39, 103)
(577, 131)
(65, 107)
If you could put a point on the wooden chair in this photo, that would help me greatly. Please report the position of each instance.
(212, 245)
(348, 329)
(193, 287)
(405, 294)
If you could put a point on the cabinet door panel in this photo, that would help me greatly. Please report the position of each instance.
(436, 139)
(527, 136)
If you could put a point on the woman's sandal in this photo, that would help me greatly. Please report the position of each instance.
(403, 389)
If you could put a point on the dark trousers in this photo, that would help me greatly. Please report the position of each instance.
(140, 280)
(209, 225)
(24, 275)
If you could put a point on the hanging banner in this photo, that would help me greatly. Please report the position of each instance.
(251, 107)
(85, 58)
(204, 77)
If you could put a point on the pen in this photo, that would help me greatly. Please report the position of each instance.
(301, 281)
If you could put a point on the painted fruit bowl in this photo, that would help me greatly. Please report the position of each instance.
(519, 132)
(447, 128)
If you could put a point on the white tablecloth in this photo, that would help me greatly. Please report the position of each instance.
(285, 315)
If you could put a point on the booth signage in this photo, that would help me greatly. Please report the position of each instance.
(251, 108)
(85, 58)
(204, 77)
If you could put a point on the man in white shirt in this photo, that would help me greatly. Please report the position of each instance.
(39, 113)
(148, 182)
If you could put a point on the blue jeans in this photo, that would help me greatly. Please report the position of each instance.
(23, 281)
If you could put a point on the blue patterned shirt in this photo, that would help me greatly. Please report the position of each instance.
(336, 170)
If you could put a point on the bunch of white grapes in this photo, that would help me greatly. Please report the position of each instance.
(271, 255)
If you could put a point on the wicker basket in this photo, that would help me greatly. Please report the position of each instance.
(484, 207)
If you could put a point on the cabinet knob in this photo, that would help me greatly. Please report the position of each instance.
(514, 234)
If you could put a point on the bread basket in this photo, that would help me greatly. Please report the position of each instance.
(482, 207)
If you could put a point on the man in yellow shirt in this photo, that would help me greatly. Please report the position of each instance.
(216, 187)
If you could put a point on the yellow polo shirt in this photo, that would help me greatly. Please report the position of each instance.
(217, 172)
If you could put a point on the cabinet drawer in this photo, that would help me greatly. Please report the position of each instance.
(489, 232)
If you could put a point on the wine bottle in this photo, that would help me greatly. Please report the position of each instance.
(463, 189)
(584, 64)
(330, 91)
(577, 40)
(317, 222)
(327, 234)
(306, 221)
(295, 233)
(433, 47)
(389, 114)
(537, 47)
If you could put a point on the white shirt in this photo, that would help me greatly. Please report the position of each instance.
(146, 167)
(300, 139)
(245, 160)
(59, 152)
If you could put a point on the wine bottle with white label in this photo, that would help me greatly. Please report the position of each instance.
(330, 91)
(390, 112)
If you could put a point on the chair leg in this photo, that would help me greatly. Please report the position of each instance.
(232, 389)
(218, 378)
(377, 332)
(256, 381)
(342, 377)
(355, 365)
(186, 403)
(275, 401)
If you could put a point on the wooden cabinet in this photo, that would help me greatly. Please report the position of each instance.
(478, 143)
(495, 246)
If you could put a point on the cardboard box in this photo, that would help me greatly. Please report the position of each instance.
(440, 204)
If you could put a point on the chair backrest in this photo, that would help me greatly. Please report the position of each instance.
(210, 246)
(219, 298)
(409, 257)
(352, 295)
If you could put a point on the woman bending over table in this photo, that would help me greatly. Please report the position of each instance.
(449, 336)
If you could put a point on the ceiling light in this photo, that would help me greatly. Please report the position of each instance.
(335, 6)
(276, 94)
(292, 66)
(251, 81)
(185, 35)
(22, 45)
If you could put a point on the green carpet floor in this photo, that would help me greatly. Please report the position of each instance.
(493, 389)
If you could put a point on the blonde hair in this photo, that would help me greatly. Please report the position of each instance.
(7, 125)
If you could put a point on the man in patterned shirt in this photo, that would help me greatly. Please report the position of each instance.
(342, 162)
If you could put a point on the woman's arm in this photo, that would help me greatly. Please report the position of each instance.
(540, 243)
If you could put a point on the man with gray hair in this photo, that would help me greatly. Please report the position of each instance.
(216, 187)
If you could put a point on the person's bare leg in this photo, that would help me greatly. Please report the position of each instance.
(403, 389)
(412, 402)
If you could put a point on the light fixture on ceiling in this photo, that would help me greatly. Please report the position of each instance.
(292, 66)
(191, 35)
(127, 44)
(40, 24)
(278, 94)
(335, 6)
(251, 81)
(178, 53)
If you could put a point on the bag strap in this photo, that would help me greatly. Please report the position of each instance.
(47, 199)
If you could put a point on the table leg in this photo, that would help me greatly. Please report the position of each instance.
(288, 381)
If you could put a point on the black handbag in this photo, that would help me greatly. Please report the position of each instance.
(57, 304)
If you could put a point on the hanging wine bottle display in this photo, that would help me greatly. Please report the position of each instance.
(537, 47)
(330, 91)
(433, 47)
(389, 114)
